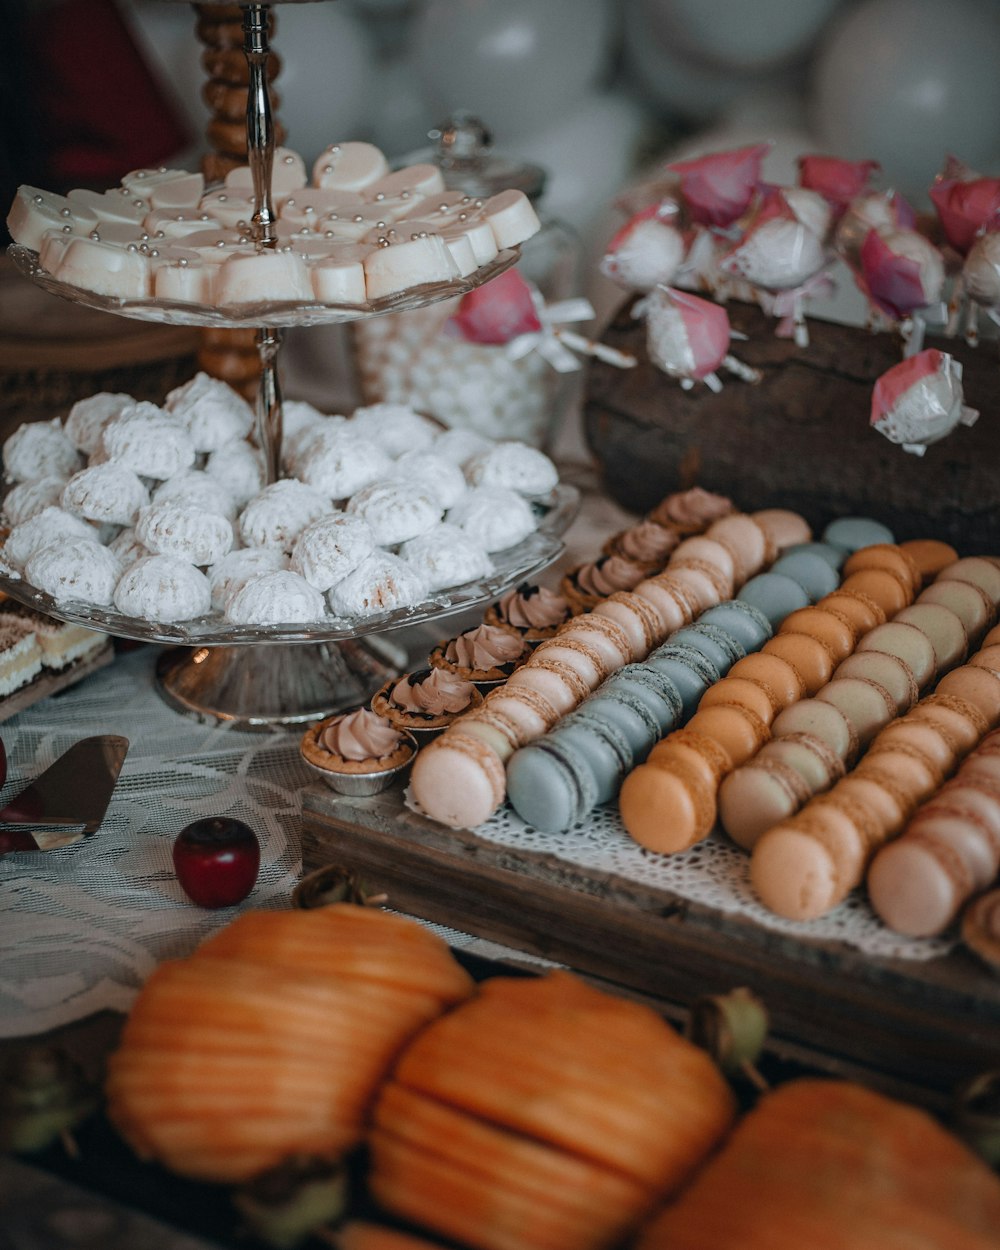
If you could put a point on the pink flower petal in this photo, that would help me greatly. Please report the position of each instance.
(708, 330)
(836, 180)
(496, 312)
(718, 188)
(965, 208)
(894, 282)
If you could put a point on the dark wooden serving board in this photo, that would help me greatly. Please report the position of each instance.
(923, 1026)
(801, 438)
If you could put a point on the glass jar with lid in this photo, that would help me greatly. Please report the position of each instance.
(412, 357)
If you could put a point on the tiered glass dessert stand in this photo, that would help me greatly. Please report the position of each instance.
(258, 677)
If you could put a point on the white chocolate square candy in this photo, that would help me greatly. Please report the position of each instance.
(229, 207)
(114, 205)
(305, 208)
(183, 276)
(349, 166)
(410, 182)
(288, 174)
(120, 233)
(512, 217)
(258, 276)
(105, 269)
(350, 226)
(339, 278)
(215, 246)
(399, 266)
(474, 236)
(457, 244)
(35, 211)
(176, 223)
(165, 188)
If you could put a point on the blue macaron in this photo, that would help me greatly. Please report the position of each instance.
(741, 621)
(855, 532)
(656, 689)
(810, 570)
(628, 713)
(833, 555)
(688, 669)
(549, 786)
(774, 594)
(601, 747)
(714, 644)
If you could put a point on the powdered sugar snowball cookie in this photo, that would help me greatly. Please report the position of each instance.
(40, 449)
(460, 445)
(395, 510)
(299, 421)
(339, 462)
(26, 499)
(396, 427)
(330, 548)
(279, 514)
(446, 556)
(433, 474)
(163, 588)
(48, 526)
(197, 489)
(109, 493)
(239, 467)
(381, 583)
(493, 516)
(74, 570)
(279, 598)
(192, 534)
(88, 417)
(148, 441)
(236, 568)
(211, 411)
(516, 466)
(128, 549)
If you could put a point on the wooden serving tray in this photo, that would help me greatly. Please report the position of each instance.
(52, 681)
(913, 1027)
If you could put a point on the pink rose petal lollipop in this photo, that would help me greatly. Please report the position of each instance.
(717, 189)
(919, 401)
(977, 286)
(496, 312)
(647, 250)
(688, 338)
(837, 181)
(902, 273)
(872, 210)
(966, 204)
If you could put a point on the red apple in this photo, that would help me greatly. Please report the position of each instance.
(216, 860)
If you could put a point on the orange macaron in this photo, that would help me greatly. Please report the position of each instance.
(741, 692)
(930, 556)
(860, 609)
(739, 731)
(885, 556)
(666, 807)
(777, 676)
(829, 626)
(811, 658)
(890, 592)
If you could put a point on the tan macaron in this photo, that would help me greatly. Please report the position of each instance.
(811, 658)
(740, 732)
(831, 627)
(866, 705)
(890, 592)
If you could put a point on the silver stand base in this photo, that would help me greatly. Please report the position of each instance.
(269, 687)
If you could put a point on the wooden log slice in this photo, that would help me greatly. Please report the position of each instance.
(801, 438)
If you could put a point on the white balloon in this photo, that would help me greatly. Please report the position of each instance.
(518, 64)
(400, 116)
(905, 82)
(735, 34)
(669, 81)
(327, 76)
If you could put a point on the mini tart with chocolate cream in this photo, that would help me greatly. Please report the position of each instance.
(586, 585)
(357, 744)
(487, 654)
(534, 611)
(427, 700)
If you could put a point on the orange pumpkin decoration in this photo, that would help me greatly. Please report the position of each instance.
(273, 1038)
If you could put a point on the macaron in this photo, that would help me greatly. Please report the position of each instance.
(814, 761)
(458, 780)
(978, 686)
(943, 629)
(691, 671)
(694, 750)
(704, 581)
(760, 794)
(802, 867)
(885, 556)
(775, 595)
(579, 656)
(783, 527)
(549, 785)
(743, 693)
(979, 571)
(930, 556)
(888, 670)
(981, 803)
(987, 657)
(655, 689)
(834, 556)
(810, 658)
(918, 883)
(829, 626)
(701, 548)
(820, 720)
(923, 736)
(908, 643)
(916, 773)
(887, 803)
(743, 623)
(866, 705)
(959, 720)
(890, 592)
(861, 610)
(777, 676)
(607, 638)
(713, 643)
(739, 731)
(747, 540)
(629, 714)
(810, 570)
(666, 807)
(685, 594)
(992, 638)
(602, 746)
(972, 820)
(499, 734)
(638, 618)
(673, 608)
(530, 713)
(852, 532)
(561, 685)
(970, 603)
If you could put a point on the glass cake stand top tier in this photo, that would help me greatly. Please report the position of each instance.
(263, 313)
